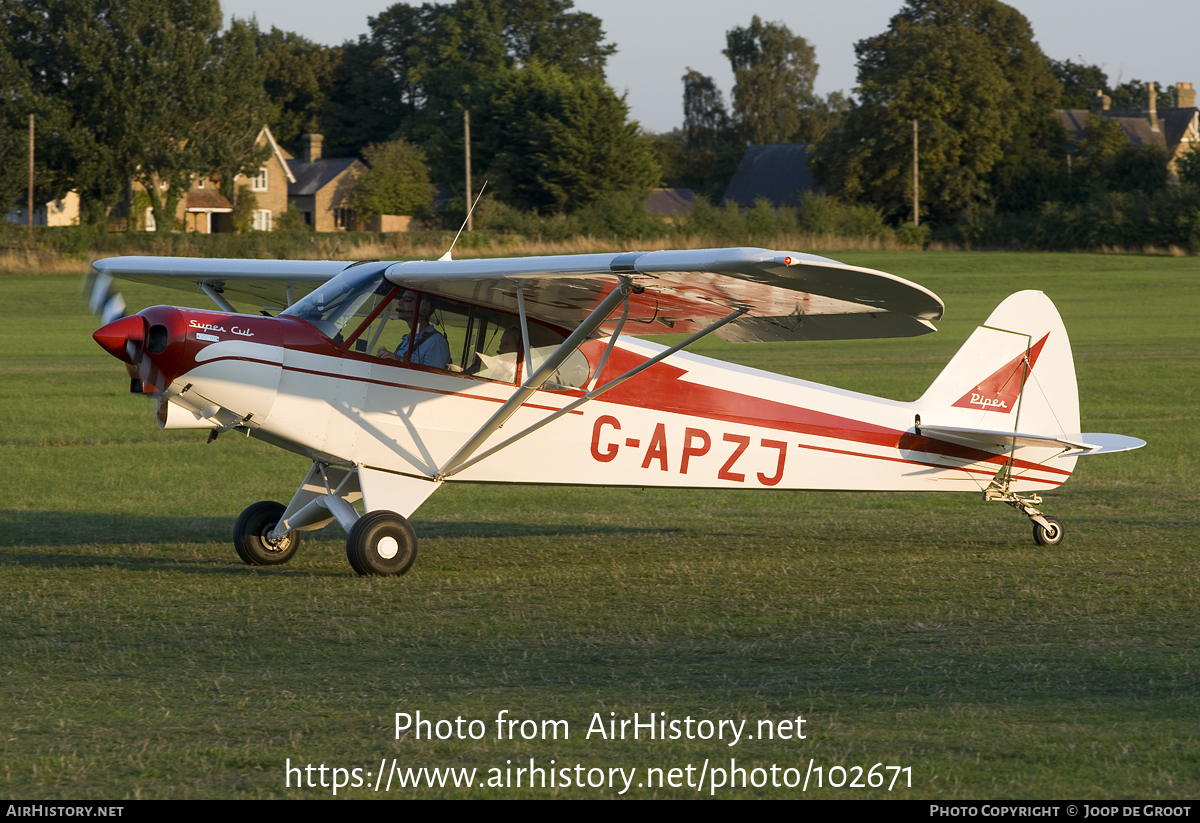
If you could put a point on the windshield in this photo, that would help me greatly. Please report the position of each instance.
(332, 305)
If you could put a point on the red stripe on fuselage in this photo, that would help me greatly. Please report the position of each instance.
(662, 388)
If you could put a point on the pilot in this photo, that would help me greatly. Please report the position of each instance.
(429, 346)
(504, 365)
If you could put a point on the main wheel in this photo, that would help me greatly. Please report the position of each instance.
(1048, 536)
(250, 536)
(381, 543)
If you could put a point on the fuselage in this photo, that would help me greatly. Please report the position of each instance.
(688, 421)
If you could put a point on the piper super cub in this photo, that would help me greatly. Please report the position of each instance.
(394, 378)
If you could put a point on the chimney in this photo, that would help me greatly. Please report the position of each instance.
(1100, 100)
(312, 146)
(1185, 96)
(1151, 105)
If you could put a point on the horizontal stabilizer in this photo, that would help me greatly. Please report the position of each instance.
(1078, 444)
(1109, 443)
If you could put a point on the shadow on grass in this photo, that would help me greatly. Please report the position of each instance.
(32, 528)
(226, 566)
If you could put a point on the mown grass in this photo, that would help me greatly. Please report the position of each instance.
(141, 659)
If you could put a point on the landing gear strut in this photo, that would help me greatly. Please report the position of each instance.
(380, 543)
(1047, 531)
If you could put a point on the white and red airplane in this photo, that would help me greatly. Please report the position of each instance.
(394, 378)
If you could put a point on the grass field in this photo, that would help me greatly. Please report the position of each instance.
(141, 659)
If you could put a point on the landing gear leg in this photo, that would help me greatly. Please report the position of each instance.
(1047, 531)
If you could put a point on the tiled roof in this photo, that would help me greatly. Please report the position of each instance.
(670, 202)
(206, 200)
(776, 172)
(312, 177)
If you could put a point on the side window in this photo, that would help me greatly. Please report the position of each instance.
(574, 371)
(495, 346)
(460, 338)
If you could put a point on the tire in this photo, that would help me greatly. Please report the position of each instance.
(250, 536)
(381, 543)
(1049, 537)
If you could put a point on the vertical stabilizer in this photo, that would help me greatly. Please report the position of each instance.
(1015, 373)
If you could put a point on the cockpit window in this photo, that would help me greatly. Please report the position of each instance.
(333, 304)
(370, 315)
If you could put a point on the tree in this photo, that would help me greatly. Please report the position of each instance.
(143, 90)
(297, 77)
(1132, 94)
(245, 203)
(1187, 166)
(1079, 83)
(706, 124)
(774, 72)
(972, 76)
(555, 143)
(419, 67)
(238, 108)
(396, 181)
(704, 155)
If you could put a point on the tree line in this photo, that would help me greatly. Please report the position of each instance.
(155, 92)
(996, 164)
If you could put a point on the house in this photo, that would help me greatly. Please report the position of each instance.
(269, 185)
(778, 173)
(61, 212)
(321, 187)
(1176, 129)
(205, 210)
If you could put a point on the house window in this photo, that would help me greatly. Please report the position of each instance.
(262, 219)
(259, 181)
(149, 221)
(343, 218)
(200, 183)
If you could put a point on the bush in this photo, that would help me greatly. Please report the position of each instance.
(620, 215)
(726, 223)
(821, 214)
(496, 216)
(291, 222)
(914, 235)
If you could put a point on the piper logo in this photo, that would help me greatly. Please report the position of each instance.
(999, 392)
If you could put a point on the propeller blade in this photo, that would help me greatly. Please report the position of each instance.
(102, 300)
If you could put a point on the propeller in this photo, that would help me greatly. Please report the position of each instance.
(122, 337)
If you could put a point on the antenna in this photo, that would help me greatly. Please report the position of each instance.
(470, 211)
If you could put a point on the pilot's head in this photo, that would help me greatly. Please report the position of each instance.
(409, 301)
(510, 341)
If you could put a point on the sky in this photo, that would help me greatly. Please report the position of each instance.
(659, 40)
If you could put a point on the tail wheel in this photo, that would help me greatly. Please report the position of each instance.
(381, 543)
(250, 536)
(1051, 536)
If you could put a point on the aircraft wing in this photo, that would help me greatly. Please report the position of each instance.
(790, 296)
(787, 295)
(265, 283)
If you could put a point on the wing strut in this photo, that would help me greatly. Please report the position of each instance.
(454, 467)
(536, 379)
(216, 297)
